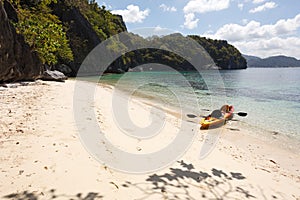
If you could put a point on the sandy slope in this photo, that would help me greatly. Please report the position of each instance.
(42, 156)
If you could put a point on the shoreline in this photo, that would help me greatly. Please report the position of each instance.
(235, 131)
(286, 142)
(41, 155)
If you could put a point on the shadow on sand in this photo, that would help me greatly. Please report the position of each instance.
(26, 195)
(184, 182)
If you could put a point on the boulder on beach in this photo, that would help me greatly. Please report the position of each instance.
(54, 75)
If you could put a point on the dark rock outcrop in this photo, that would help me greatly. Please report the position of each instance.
(17, 61)
(53, 76)
(10, 11)
(83, 31)
(80, 32)
(84, 27)
(63, 68)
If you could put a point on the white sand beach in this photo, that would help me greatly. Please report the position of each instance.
(42, 156)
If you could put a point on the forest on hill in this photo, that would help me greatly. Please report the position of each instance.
(63, 32)
(272, 62)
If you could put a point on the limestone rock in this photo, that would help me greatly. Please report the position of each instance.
(53, 76)
(17, 61)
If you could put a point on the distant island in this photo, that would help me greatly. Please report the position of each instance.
(271, 62)
(38, 36)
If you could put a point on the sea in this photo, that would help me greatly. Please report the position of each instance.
(269, 96)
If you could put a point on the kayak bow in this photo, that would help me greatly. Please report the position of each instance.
(211, 121)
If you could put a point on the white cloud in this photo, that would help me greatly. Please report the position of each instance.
(245, 21)
(258, 1)
(266, 6)
(168, 8)
(289, 46)
(132, 14)
(160, 31)
(106, 6)
(240, 6)
(203, 6)
(263, 40)
(253, 29)
(190, 21)
(158, 28)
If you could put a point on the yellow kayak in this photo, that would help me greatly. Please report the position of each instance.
(226, 112)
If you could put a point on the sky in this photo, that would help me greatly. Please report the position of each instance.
(261, 28)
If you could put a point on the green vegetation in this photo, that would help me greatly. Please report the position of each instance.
(43, 31)
(104, 23)
(224, 55)
(46, 36)
(65, 31)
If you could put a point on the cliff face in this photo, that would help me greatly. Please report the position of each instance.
(81, 35)
(17, 60)
(225, 55)
(87, 26)
(60, 34)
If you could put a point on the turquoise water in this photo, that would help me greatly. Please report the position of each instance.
(270, 96)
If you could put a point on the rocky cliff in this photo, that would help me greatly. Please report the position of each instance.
(82, 37)
(58, 35)
(87, 25)
(225, 55)
(17, 60)
(62, 33)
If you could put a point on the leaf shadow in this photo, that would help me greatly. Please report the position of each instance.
(51, 194)
(182, 182)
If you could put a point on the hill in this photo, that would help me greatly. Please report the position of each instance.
(59, 34)
(274, 61)
(224, 55)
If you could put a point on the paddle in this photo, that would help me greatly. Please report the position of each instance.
(242, 114)
(191, 115)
